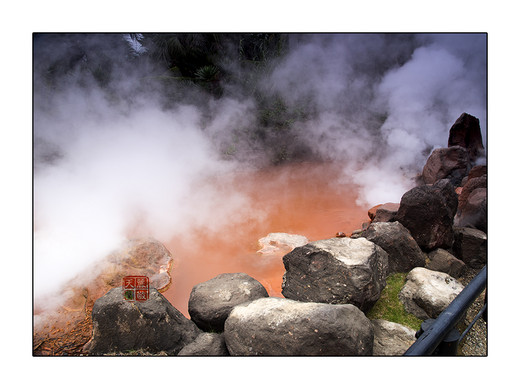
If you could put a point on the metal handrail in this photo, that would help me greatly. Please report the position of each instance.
(432, 337)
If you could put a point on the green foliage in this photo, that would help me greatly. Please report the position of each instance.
(179, 67)
(207, 73)
(390, 308)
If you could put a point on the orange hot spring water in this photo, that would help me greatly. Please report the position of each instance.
(305, 199)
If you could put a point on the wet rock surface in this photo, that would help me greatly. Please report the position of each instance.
(278, 241)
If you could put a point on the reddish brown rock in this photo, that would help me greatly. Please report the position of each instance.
(372, 211)
(386, 212)
(477, 171)
(472, 205)
(471, 185)
(474, 212)
(451, 163)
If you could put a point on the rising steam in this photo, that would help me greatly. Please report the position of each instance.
(119, 154)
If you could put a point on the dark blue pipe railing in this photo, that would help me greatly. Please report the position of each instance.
(439, 331)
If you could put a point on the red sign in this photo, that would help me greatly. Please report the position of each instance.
(136, 288)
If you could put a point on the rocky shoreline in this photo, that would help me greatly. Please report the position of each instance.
(436, 234)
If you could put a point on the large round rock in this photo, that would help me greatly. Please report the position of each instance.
(277, 326)
(336, 271)
(211, 301)
(153, 325)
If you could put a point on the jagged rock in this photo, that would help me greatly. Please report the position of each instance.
(425, 212)
(277, 326)
(451, 163)
(336, 271)
(470, 246)
(153, 325)
(427, 293)
(445, 262)
(404, 253)
(391, 338)
(206, 344)
(211, 301)
(277, 241)
(466, 133)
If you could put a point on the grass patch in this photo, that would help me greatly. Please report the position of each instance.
(388, 307)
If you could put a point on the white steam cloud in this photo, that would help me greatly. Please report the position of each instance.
(383, 102)
(143, 169)
(105, 162)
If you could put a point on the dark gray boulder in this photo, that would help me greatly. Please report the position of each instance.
(424, 211)
(211, 301)
(451, 163)
(152, 326)
(403, 251)
(206, 344)
(277, 326)
(466, 132)
(447, 191)
(336, 271)
(470, 186)
(470, 246)
(443, 261)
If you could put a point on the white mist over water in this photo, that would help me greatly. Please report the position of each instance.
(144, 170)
(384, 104)
(106, 162)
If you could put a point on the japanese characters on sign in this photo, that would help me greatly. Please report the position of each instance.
(136, 288)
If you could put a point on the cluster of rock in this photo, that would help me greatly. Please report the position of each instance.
(329, 285)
